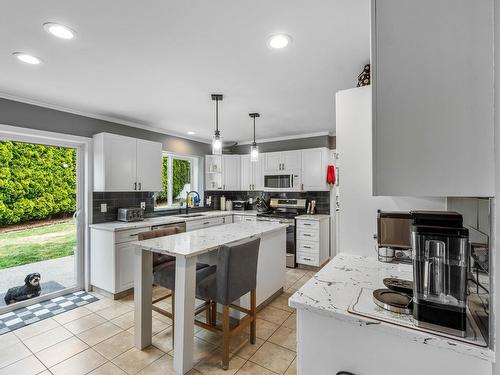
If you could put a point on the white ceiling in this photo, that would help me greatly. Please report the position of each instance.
(157, 62)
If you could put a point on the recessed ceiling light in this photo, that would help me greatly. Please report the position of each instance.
(27, 58)
(279, 41)
(191, 133)
(61, 31)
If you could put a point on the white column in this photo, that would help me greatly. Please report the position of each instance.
(143, 280)
(185, 280)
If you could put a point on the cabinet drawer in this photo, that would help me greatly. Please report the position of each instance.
(249, 218)
(129, 235)
(307, 224)
(308, 247)
(306, 258)
(204, 223)
(308, 234)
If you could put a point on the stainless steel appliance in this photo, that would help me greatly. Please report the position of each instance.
(284, 211)
(239, 205)
(394, 236)
(440, 260)
(130, 214)
(282, 181)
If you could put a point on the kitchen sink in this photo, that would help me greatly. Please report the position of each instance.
(189, 215)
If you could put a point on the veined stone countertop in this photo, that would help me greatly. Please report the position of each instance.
(316, 217)
(189, 244)
(169, 219)
(333, 289)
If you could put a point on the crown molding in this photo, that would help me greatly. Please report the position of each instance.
(97, 116)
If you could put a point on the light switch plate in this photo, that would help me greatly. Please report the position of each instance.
(104, 207)
(143, 205)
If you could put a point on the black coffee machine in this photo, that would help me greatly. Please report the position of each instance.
(440, 246)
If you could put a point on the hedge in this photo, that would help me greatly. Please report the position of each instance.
(181, 171)
(36, 182)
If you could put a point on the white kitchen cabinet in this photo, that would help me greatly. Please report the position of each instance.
(313, 240)
(244, 218)
(213, 172)
(126, 164)
(231, 172)
(313, 164)
(252, 174)
(432, 77)
(204, 223)
(282, 161)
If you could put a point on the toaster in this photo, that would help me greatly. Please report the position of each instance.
(130, 214)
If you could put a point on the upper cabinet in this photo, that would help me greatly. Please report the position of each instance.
(231, 172)
(314, 162)
(432, 74)
(126, 164)
(213, 172)
(252, 176)
(282, 161)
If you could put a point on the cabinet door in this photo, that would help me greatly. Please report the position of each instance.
(314, 169)
(231, 172)
(124, 266)
(213, 172)
(246, 173)
(432, 98)
(258, 173)
(149, 165)
(290, 160)
(120, 162)
(237, 218)
(272, 161)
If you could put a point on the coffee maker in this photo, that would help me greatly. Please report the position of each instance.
(440, 246)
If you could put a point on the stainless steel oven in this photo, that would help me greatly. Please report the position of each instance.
(282, 181)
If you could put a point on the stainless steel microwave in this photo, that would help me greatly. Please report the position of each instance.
(282, 181)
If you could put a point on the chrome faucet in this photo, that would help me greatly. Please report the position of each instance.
(187, 199)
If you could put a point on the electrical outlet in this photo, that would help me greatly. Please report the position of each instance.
(104, 207)
(143, 205)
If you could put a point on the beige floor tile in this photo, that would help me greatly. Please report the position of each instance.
(281, 302)
(46, 372)
(13, 353)
(71, 315)
(101, 304)
(296, 271)
(160, 292)
(115, 345)
(290, 289)
(61, 351)
(134, 360)
(201, 349)
(211, 364)
(100, 333)
(26, 366)
(209, 336)
(292, 370)
(80, 364)
(291, 278)
(163, 340)
(285, 337)
(273, 357)
(162, 317)
(36, 328)
(273, 315)
(265, 329)
(291, 322)
(47, 339)
(114, 311)
(240, 345)
(162, 366)
(299, 283)
(250, 368)
(84, 323)
(108, 369)
(157, 326)
(124, 321)
(8, 339)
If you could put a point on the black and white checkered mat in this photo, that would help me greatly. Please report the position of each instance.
(26, 315)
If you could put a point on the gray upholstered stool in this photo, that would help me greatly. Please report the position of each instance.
(234, 276)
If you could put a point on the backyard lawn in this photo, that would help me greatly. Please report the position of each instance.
(31, 245)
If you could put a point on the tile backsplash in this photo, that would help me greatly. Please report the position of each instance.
(114, 200)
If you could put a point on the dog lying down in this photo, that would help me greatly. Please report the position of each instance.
(30, 289)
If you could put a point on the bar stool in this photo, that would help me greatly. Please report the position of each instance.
(234, 276)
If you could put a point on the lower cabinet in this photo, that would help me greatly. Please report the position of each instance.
(313, 241)
(242, 218)
(204, 223)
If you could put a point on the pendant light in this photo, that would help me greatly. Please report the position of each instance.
(216, 140)
(254, 149)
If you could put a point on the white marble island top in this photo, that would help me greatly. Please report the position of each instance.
(189, 244)
(332, 290)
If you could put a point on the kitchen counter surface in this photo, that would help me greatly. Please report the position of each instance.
(316, 217)
(169, 219)
(333, 289)
(189, 244)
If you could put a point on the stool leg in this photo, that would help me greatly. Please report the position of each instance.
(208, 313)
(253, 312)
(225, 337)
(213, 310)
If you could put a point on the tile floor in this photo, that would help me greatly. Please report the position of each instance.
(98, 339)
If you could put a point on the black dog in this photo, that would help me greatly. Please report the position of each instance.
(30, 289)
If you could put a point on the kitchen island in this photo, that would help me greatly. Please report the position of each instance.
(333, 336)
(187, 247)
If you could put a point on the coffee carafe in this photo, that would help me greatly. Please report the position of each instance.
(440, 257)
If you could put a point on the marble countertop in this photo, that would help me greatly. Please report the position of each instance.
(332, 290)
(316, 217)
(169, 219)
(200, 241)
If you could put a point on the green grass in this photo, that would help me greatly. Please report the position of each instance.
(36, 244)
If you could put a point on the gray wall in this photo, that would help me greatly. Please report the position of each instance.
(31, 116)
(290, 144)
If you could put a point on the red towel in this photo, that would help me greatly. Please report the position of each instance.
(330, 175)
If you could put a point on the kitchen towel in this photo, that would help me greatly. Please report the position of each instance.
(330, 175)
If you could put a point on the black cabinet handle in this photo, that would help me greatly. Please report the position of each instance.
(344, 373)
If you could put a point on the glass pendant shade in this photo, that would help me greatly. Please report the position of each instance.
(216, 145)
(216, 140)
(254, 153)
